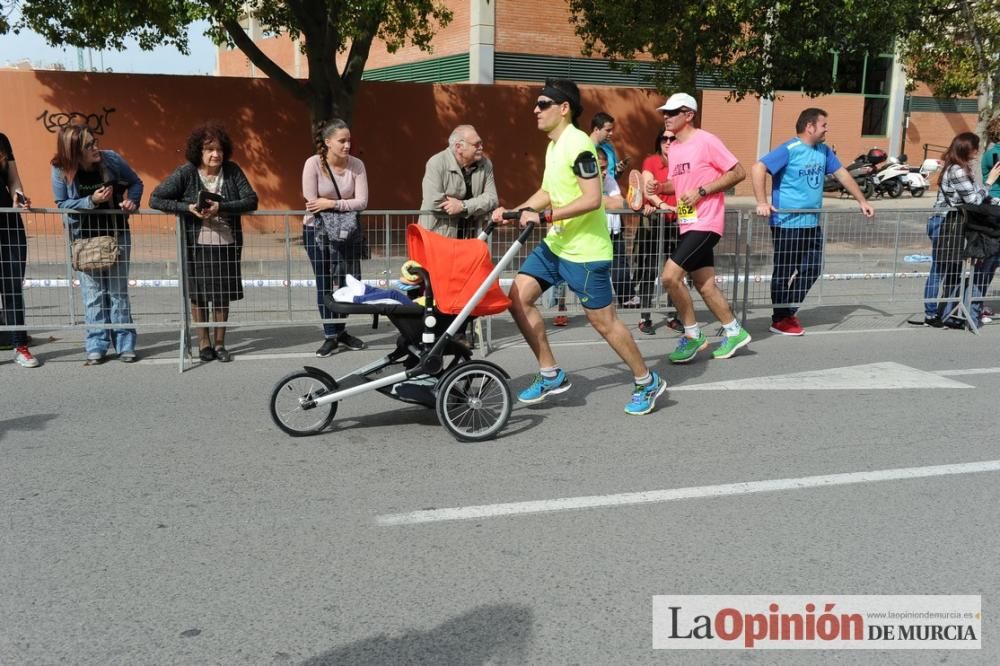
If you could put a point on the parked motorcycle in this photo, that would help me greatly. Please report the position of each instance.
(891, 178)
(918, 179)
(860, 170)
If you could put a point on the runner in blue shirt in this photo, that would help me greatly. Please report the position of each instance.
(798, 168)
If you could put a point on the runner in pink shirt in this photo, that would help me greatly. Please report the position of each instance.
(701, 169)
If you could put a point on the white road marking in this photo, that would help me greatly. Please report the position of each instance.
(659, 496)
(238, 356)
(646, 340)
(969, 371)
(872, 376)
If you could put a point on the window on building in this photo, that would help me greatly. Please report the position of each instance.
(875, 116)
(849, 73)
(878, 75)
(868, 75)
(877, 86)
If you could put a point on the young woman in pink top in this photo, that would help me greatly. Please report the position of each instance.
(333, 180)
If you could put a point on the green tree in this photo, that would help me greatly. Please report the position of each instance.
(326, 27)
(753, 47)
(956, 51)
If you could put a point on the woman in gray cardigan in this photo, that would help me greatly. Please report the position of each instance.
(210, 191)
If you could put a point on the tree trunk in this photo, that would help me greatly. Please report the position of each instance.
(687, 66)
(328, 99)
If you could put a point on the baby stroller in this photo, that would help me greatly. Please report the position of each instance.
(472, 398)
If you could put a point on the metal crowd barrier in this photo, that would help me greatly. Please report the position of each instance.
(865, 262)
(871, 262)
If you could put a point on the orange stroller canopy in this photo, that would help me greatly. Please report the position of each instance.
(458, 267)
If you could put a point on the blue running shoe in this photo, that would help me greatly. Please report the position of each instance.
(543, 387)
(644, 397)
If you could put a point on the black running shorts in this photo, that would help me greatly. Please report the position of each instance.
(695, 250)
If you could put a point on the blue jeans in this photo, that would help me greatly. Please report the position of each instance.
(798, 253)
(331, 265)
(933, 285)
(105, 299)
(13, 259)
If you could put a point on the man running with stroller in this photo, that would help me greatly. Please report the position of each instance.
(577, 250)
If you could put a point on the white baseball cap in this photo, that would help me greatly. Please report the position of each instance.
(678, 100)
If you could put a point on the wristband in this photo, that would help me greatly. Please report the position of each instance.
(545, 216)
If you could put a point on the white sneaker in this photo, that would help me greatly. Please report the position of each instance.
(23, 357)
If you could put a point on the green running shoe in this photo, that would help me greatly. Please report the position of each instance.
(687, 348)
(730, 343)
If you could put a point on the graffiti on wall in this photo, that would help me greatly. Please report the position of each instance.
(95, 122)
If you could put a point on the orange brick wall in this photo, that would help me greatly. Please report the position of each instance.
(398, 126)
(845, 126)
(535, 27)
(541, 28)
(450, 40)
(736, 124)
(845, 122)
(280, 49)
(232, 63)
(935, 128)
(270, 129)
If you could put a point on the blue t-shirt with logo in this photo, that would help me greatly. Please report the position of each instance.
(797, 173)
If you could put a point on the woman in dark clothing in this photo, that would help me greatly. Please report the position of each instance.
(214, 232)
(957, 185)
(13, 257)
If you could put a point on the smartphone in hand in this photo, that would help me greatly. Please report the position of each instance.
(996, 158)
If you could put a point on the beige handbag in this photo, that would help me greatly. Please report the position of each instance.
(92, 255)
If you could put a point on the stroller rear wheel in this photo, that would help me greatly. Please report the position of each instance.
(290, 400)
(473, 401)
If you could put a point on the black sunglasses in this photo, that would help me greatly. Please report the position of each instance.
(543, 104)
(674, 112)
(668, 139)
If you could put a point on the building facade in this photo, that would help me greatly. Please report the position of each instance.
(515, 42)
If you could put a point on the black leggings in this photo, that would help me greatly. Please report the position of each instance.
(648, 264)
(13, 259)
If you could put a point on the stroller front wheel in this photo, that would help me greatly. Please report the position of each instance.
(474, 401)
(292, 407)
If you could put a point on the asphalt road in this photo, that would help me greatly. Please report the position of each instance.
(152, 517)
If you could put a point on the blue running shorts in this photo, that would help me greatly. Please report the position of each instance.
(589, 280)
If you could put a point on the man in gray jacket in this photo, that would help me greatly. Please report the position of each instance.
(458, 186)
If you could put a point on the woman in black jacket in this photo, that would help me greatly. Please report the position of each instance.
(210, 191)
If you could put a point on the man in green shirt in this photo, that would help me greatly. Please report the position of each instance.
(577, 250)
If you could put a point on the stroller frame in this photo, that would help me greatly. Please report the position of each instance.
(472, 397)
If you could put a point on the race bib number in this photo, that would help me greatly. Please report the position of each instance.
(685, 213)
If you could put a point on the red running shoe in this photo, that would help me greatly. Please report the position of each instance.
(561, 320)
(787, 326)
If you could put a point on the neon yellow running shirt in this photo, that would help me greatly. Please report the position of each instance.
(584, 237)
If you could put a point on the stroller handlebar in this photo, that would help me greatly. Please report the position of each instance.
(516, 215)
